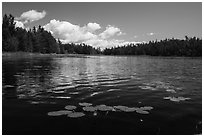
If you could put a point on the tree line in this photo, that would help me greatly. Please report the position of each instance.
(169, 47)
(38, 40)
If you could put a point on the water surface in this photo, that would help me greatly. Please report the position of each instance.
(34, 86)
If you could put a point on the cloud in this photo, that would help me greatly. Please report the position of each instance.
(135, 36)
(110, 31)
(19, 24)
(103, 43)
(30, 16)
(93, 26)
(151, 33)
(68, 32)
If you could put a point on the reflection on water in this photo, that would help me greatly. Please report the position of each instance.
(115, 81)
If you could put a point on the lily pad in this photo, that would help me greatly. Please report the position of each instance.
(147, 87)
(171, 90)
(142, 111)
(9, 86)
(76, 114)
(122, 108)
(104, 108)
(177, 99)
(130, 109)
(89, 108)
(59, 113)
(85, 104)
(166, 97)
(183, 99)
(69, 107)
(146, 108)
(125, 108)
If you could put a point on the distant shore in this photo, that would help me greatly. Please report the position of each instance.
(29, 54)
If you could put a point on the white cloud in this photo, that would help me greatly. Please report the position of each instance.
(151, 33)
(135, 36)
(68, 32)
(110, 31)
(93, 26)
(19, 24)
(103, 43)
(30, 16)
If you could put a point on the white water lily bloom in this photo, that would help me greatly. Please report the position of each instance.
(59, 113)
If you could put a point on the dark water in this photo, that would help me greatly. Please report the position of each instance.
(32, 87)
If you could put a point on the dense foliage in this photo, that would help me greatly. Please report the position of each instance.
(37, 40)
(41, 41)
(167, 47)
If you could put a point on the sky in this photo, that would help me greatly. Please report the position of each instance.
(108, 24)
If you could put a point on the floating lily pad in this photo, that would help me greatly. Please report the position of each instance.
(59, 113)
(9, 86)
(183, 99)
(89, 108)
(85, 104)
(69, 107)
(171, 90)
(130, 109)
(146, 108)
(104, 108)
(142, 111)
(61, 97)
(74, 93)
(166, 97)
(177, 99)
(147, 87)
(125, 108)
(76, 114)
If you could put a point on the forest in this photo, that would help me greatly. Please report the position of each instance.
(38, 40)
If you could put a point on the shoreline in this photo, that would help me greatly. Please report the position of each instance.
(29, 54)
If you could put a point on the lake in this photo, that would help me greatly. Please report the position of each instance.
(34, 88)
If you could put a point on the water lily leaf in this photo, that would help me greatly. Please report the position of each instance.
(166, 97)
(171, 90)
(125, 108)
(130, 109)
(69, 107)
(104, 108)
(122, 108)
(146, 108)
(183, 99)
(85, 104)
(89, 108)
(142, 111)
(177, 99)
(9, 86)
(147, 87)
(59, 113)
(76, 114)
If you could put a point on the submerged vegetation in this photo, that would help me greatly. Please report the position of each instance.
(38, 40)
